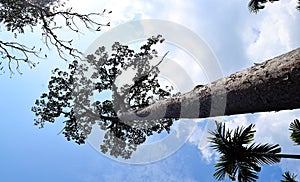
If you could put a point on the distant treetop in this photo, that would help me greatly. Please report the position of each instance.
(256, 5)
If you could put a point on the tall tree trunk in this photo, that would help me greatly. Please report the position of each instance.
(270, 86)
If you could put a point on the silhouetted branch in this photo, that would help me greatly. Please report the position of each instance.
(45, 15)
(23, 50)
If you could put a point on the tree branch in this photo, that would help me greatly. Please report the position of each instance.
(22, 49)
(17, 15)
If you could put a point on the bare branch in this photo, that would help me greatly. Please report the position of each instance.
(20, 14)
(21, 49)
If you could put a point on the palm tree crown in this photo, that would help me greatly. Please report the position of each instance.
(237, 156)
(295, 128)
(289, 177)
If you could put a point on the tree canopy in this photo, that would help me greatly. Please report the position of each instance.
(49, 16)
(70, 91)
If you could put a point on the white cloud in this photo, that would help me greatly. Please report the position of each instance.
(176, 11)
(86, 6)
(273, 128)
(199, 138)
(277, 31)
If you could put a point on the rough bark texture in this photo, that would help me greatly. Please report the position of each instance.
(270, 86)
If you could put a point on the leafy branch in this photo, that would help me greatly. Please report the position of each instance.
(70, 95)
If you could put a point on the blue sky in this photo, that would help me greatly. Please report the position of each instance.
(237, 38)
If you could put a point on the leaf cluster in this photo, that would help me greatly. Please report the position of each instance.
(17, 14)
(70, 94)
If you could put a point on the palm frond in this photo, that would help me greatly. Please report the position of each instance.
(223, 167)
(246, 173)
(243, 135)
(220, 138)
(288, 177)
(264, 153)
(295, 128)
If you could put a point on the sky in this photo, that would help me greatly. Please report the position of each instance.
(237, 39)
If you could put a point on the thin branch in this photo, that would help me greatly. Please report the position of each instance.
(24, 50)
(158, 62)
(46, 16)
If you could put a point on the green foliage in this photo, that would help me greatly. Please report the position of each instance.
(238, 156)
(295, 129)
(70, 92)
(289, 177)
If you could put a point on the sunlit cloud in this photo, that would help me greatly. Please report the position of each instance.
(276, 33)
(273, 128)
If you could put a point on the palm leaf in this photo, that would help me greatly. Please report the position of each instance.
(220, 138)
(243, 135)
(288, 177)
(230, 145)
(295, 128)
(223, 167)
(247, 173)
(264, 153)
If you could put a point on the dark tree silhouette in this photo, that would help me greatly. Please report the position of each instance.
(295, 129)
(269, 86)
(19, 15)
(289, 177)
(239, 158)
(256, 5)
(81, 114)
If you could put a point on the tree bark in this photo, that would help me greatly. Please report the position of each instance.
(273, 85)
